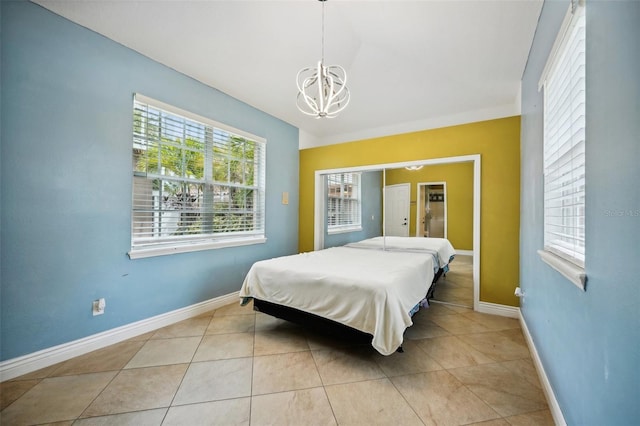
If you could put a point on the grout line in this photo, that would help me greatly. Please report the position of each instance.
(253, 359)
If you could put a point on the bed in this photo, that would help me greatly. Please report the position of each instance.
(371, 292)
(440, 249)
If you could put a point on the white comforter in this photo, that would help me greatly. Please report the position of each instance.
(441, 248)
(369, 290)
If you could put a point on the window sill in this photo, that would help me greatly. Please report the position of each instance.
(142, 252)
(344, 230)
(572, 272)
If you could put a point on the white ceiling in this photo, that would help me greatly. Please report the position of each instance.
(411, 65)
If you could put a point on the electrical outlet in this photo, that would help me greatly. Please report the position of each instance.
(98, 306)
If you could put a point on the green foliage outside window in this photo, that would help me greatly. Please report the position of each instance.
(203, 179)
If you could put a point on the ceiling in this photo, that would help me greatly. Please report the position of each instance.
(411, 65)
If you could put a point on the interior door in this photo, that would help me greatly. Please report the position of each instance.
(432, 210)
(396, 210)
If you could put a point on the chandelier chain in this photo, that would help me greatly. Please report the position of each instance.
(322, 56)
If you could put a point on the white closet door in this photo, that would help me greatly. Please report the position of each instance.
(396, 210)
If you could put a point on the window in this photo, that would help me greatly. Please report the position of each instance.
(343, 202)
(197, 184)
(564, 148)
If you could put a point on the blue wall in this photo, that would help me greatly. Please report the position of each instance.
(589, 342)
(371, 194)
(66, 185)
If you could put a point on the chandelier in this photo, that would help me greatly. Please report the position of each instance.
(322, 90)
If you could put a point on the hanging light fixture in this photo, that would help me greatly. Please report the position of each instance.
(322, 90)
(413, 168)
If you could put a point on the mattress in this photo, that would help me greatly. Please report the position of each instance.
(372, 291)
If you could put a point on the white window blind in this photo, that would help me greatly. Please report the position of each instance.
(195, 182)
(343, 201)
(564, 144)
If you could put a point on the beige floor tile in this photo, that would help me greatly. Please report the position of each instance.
(145, 336)
(267, 322)
(412, 360)
(230, 412)
(536, 418)
(111, 358)
(234, 309)
(458, 295)
(435, 309)
(456, 286)
(216, 387)
(284, 372)
(309, 407)
(136, 418)
(138, 389)
(457, 309)
(451, 352)
(497, 345)
(39, 374)
(493, 322)
(440, 399)
(496, 422)
(56, 399)
(280, 340)
(346, 365)
(178, 350)
(503, 390)
(458, 279)
(462, 259)
(524, 369)
(231, 324)
(373, 402)
(457, 324)
(191, 327)
(12, 390)
(515, 335)
(215, 380)
(224, 346)
(423, 328)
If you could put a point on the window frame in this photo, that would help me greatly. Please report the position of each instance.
(162, 245)
(355, 214)
(570, 262)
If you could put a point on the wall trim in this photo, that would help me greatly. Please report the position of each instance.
(15, 367)
(496, 309)
(464, 252)
(554, 407)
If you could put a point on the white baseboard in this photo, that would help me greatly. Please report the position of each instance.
(15, 367)
(496, 309)
(464, 252)
(554, 407)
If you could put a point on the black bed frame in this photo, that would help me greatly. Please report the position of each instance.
(314, 322)
(324, 325)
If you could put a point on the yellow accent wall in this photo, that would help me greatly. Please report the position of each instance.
(459, 200)
(497, 142)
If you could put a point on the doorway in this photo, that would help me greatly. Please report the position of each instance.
(396, 210)
(431, 214)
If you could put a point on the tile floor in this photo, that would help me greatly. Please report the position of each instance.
(459, 283)
(234, 366)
